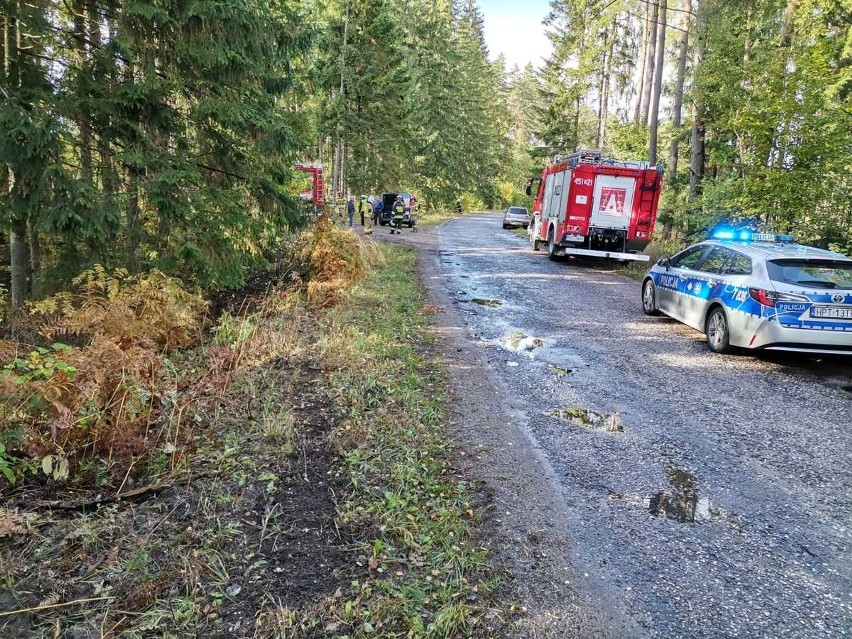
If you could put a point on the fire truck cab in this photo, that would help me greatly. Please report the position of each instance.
(590, 205)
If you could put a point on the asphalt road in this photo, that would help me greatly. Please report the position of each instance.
(710, 495)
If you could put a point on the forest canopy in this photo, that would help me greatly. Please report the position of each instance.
(163, 134)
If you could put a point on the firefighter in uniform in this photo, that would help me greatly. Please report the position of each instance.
(398, 213)
(366, 210)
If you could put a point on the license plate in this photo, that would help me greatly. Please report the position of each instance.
(832, 312)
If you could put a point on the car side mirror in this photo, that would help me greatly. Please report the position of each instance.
(664, 262)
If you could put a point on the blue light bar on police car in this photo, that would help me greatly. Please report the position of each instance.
(750, 236)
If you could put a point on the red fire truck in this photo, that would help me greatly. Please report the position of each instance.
(315, 194)
(591, 205)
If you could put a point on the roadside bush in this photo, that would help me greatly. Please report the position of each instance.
(67, 404)
(153, 306)
(66, 407)
(471, 202)
(328, 258)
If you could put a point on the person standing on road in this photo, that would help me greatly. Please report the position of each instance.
(364, 208)
(398, 214)
(458, 207)
(350, 209)
(378, 207)
(366, 211)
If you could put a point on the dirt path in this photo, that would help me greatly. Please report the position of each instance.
(526, 521)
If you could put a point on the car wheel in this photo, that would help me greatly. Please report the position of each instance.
(551, 246)
(718, 333)
(649, 298)
(505, 226)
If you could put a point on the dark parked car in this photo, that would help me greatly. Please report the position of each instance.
(388, 199)
(516, 216)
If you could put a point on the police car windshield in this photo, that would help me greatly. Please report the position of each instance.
(813, 273)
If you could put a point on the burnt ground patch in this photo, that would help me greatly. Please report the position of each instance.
(246, 298)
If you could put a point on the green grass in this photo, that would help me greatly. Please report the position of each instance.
(426, 566)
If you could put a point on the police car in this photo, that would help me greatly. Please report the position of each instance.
(756, 291)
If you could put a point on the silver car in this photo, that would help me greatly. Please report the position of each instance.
(516, 216)
(757, 291)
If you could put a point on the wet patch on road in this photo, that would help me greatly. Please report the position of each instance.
(681, 502)
(609, 422)
(521, 343)
(488, 303)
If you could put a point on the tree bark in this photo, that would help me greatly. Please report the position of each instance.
(650, 56)
(132, 215)
(658, 84)
(35, 254)
(20, 261)
(641, 84)
(696, 164)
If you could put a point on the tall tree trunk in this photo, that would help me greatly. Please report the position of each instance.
(747, 45)
(577, 105)
(641, 84)
(133, 225)
(106, 167)
(658, 84)
(677, 103)
(83, 121)
(650, 56)
(601, 90)
(696, 163)
(19, 253)
(35, 254)
(20, 262)
(608, 53)
(337, 169)
(778, 150)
